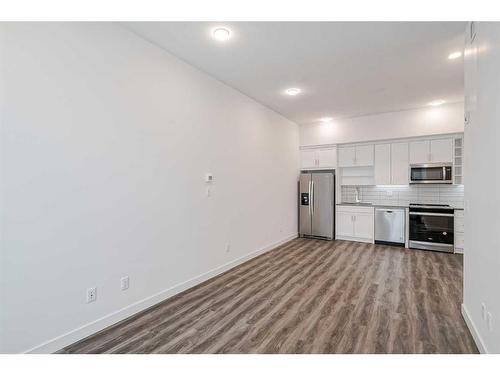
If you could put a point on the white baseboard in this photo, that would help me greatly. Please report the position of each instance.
(57, 343)
(474, 332)
(354, 239)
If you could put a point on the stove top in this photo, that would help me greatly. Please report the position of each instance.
(429, 205)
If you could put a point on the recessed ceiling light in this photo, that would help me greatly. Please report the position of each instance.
(325, 119)
(435, 103)
(221, 34)
(454, 55)
(292, 91)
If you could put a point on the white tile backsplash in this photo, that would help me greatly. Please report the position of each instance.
(404, 195)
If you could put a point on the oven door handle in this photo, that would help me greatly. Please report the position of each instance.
(430, 214)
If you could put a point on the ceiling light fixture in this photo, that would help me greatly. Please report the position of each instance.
(325, 119)
(221, 34)
(454, 55)
(435, 103)
(293, 91)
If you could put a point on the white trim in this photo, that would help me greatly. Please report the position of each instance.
(57, 343)
(474, 332)
(354, 239)
(384, 141)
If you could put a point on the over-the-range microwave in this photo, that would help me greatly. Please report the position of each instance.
(431, 173)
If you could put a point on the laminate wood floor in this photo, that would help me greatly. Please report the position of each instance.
(308, 296)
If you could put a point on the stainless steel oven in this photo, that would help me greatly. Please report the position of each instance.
(431, 227)
(431, 173)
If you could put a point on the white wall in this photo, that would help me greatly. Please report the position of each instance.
(482, 197)
(444, 119)
(105, 142)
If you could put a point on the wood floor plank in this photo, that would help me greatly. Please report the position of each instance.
(308, 296)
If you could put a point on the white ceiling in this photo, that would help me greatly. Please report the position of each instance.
(344, 69)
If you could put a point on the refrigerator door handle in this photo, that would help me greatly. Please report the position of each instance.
(312, 197)
(309, 198)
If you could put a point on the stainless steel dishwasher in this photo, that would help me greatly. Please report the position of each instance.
(390, 226)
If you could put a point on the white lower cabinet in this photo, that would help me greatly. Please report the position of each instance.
(345, 224)
(363, 226)
(354, 223)
(459, 231)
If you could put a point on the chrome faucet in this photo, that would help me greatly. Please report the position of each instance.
(357, 199)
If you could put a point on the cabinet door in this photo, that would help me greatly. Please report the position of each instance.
(327, 157)
(363, 226)
(442, 150)
(364, 155)
(307, 159)
(347, 156)
(345, 224)
(399, 164)
(419, 152)
(382, 168)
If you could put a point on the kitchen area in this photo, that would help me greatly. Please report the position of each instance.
(404, 192)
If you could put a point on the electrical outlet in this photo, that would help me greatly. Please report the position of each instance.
(489, 321)
(228, 247)
(91, 294)
(389, 193)
(125, 282)
(483, 311)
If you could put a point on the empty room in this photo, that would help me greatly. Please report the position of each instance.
(240, 187)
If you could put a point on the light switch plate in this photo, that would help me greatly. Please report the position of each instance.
(124, 283)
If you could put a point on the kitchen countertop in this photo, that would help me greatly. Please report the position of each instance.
(364, 204)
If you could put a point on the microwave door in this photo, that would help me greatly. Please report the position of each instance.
(427, 174)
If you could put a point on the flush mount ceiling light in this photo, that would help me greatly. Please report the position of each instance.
(454, 55)
(435, 103)
(221, 34)
(326, 119)
(292, 91)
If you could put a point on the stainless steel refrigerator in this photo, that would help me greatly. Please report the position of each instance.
(317, 204)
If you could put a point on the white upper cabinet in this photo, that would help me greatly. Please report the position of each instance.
(419, 152)
(364, 155)
(431, 151)
(391, 164)
(442, 150)
(399, 163)
(307, 159)
(327, 157)
(356, 156)
(319, 158)
(382, 172)
(347, 156)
